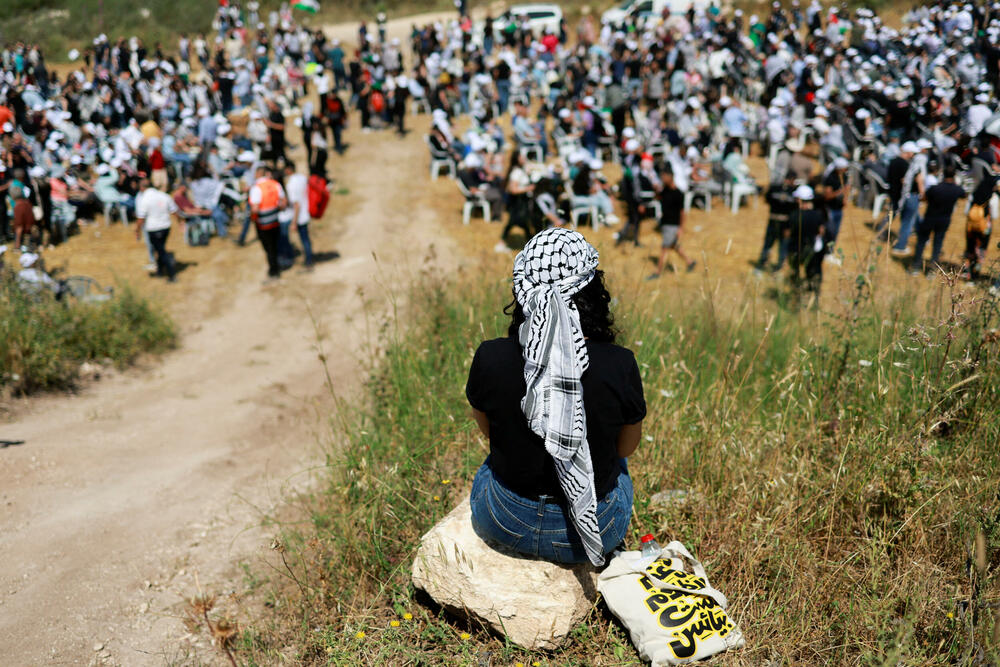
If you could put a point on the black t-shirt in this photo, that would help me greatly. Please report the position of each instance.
(805, 228)
(671, 205)
(277, 136)
(612, 398)
(941, 200)
(833, 182)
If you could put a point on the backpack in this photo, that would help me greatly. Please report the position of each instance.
(977, 220)
(198, 232)
(319, 196)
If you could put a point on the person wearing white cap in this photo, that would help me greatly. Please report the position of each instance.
(806, 242)
(941, 200)
(912, 191)
(836, 191)
(154, 211)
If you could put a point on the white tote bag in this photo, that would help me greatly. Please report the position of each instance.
(672, 613)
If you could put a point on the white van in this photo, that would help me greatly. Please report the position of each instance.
(640, 10)
(541, 18)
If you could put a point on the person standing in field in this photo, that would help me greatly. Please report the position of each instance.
(267, 199)
(782, 204)
(806, 242)
(941, 199)
(297, 187)
(670, 223)
(155, 210)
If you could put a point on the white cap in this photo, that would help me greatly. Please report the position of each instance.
(862, 114)
(821, 112)
(103, 169)
(632, 145)
(246, 156)
(565, 113)
(588, 101)
(909, 147)
(596, 164)
(924, 144)
(803, 192)
(28, 259)
(840, 163)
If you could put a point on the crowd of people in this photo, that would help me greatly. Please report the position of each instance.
(138, 135)
(844, 108)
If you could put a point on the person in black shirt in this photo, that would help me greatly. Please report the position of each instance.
(782, 203)
(835, 190)
(941, 199)
(806, 242)
(670, 223)
(518, 498)
(276, 128)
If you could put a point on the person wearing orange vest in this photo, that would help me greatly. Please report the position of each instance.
(267, 199)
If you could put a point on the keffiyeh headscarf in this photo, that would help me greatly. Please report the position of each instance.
(555, 265)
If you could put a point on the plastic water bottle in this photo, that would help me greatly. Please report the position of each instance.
(649, 551)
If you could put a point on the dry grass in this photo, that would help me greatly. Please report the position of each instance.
(839, 463)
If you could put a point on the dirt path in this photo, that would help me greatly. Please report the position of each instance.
(127, 497)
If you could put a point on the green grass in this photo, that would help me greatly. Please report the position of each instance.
(838, 468)
(44, 341)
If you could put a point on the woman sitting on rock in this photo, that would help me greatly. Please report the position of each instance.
(562, 406)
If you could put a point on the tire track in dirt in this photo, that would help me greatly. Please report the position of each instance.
(128, 497)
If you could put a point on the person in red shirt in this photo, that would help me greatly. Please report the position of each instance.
(157, 165)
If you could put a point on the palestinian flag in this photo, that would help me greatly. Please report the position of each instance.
(311, 6)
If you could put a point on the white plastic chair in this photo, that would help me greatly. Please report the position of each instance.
(439, 160)
(736, 193)
(473, 200)
(109, 209)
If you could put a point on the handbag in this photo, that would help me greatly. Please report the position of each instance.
(673, 615)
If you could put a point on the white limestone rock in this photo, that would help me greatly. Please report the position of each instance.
(534, 603)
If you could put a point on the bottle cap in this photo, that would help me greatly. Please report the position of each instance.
(646, 538)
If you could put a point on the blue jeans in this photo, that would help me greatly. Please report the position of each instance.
(503, 94)
(541, 528)
(285, 251)
(307, 249)
(907, 216)
(834, 218)
(245, 229)
(220, 218)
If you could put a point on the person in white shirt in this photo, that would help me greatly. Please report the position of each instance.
(297, 192)
(155, 211)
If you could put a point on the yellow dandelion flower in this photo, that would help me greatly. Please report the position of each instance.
(951, 615)
(360, 634)
(437, 497)
(407, 616)
(446, 481)
(394, 624)
(464, 636)
(518, 664)
(536, 664)
(329, 649)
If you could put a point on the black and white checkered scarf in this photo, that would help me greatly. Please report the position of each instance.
(555, 265)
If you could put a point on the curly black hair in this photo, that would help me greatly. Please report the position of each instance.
(594, 304)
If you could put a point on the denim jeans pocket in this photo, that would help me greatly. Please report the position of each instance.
(564, 552)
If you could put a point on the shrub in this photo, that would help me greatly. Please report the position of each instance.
(43, 341)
